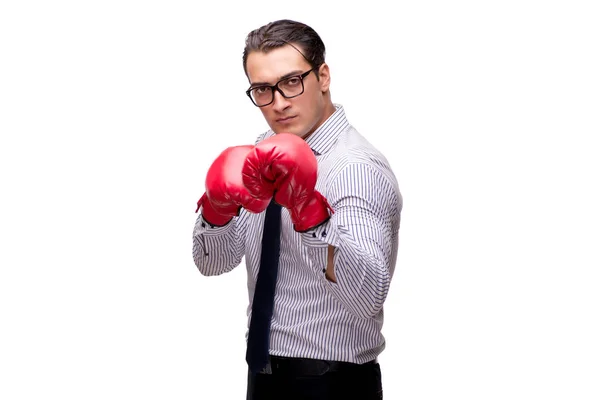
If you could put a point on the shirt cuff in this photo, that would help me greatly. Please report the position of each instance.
(206, 228)
(321, 236)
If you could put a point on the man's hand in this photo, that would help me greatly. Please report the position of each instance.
(329, 272)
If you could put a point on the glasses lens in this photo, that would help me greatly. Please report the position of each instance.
(292, 87)
(261, 95)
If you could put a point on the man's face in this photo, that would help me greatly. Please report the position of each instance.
(300, 115)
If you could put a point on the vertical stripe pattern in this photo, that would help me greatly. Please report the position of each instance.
(313, 317)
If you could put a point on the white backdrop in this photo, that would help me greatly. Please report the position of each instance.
(111, 113)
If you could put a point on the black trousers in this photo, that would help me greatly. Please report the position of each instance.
(304, 379)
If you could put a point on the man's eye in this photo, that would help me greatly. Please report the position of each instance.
(293, 81)
(261, 90)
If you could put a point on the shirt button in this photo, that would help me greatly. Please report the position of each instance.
(203, 225)
(314, 234)
(324, 234)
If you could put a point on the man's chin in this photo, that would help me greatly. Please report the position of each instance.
(287, 130)
(293, 129)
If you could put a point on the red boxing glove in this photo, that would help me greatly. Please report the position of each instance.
(225, 192)
(285, 165)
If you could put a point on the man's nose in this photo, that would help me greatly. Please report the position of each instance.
(280, 103)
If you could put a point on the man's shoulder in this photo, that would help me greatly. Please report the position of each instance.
(355, 148)
(356, 159)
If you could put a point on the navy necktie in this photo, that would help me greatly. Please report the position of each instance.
(257, 352)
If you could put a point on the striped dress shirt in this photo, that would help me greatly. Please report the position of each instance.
(314, 317)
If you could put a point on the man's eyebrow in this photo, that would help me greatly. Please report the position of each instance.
(293, 73)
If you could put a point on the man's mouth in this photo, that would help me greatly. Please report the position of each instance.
(285, 119)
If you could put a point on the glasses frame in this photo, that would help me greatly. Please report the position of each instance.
(276, 87)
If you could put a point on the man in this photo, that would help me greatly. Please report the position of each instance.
(316, 285)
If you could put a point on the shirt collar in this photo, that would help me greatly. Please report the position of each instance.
(325, 136)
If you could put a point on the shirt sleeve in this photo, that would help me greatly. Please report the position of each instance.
(364, 231)
(218, 249)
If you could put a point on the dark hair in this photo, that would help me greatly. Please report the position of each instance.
(283, 32)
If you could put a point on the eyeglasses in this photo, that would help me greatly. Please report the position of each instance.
(290, 87)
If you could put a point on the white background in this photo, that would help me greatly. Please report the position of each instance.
(112, 111)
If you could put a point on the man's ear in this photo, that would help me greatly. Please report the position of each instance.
(324, 77)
